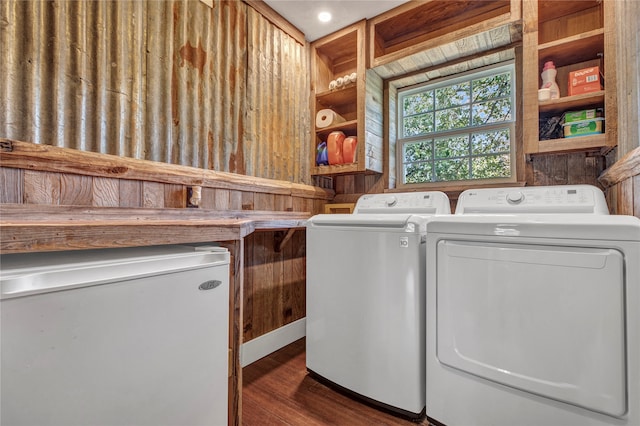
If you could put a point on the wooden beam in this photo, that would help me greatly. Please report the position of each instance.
(625, 168)
(30, 156)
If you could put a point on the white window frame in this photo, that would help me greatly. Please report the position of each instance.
(508, 66)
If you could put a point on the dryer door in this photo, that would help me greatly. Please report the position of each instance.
(548, 320)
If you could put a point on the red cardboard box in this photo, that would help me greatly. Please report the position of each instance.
(585, 80)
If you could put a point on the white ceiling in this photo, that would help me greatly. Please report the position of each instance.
(303, 14)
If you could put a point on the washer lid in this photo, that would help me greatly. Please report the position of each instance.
(430, 202)
(576, 226)
(387, 221)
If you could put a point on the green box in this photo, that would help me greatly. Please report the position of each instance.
(583, 128)
(585, 114)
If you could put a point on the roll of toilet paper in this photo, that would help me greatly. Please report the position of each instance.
(328, 117)
(332, 85)
(353, 77)
(339, 81)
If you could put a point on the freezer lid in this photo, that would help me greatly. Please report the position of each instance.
(590, 227)
(33, 273)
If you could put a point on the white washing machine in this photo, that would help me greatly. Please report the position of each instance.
(533, 310)
(365, 298)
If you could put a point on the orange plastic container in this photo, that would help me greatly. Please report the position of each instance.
(335, 141)
(349, 149)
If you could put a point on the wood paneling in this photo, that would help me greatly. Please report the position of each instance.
(274, 290)
(105, 192)
(560, 169)
(622, 182)
(41, 187)
(75, 190)
(11, 181)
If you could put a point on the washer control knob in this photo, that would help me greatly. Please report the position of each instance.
(515, 197)
(391, 201)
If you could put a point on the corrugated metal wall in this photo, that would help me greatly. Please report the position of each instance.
(278, 86)
(173, 81)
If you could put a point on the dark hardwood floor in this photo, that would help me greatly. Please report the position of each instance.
(278, 391)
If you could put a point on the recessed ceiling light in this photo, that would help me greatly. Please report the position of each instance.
(324, 16)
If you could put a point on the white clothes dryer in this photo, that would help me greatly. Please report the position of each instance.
(365, 298)
(533, 310)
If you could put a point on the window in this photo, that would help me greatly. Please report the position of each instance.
(458, 129)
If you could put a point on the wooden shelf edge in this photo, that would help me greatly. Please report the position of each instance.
(571, 101)
(329, 93)
(578, 143)
(424, 45)
(351, 124)
(568, 40)
(336, 169)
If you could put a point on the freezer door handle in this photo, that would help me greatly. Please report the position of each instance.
(209, 285)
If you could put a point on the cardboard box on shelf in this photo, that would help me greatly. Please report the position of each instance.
(585, 114)
(583, 128)
(585, 80)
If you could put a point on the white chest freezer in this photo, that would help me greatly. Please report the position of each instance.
(134, 336)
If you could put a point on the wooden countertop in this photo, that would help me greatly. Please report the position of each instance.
(29, 228)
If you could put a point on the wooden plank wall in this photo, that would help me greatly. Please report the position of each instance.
(622, 184)
(274, 292)
(560, 169)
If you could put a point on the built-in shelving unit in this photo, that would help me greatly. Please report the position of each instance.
(574, 35)
(335, 56)
(419, 26)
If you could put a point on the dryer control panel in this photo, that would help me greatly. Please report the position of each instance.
(431, 202)
(535, 199)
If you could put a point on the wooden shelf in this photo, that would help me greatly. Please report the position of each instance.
(570, 50)
(350, 128)
(577, 143)
(568, 103)
(337, 169)
(414, 25)
(550, 10)
(342, 96)
(574, 35)
(334, 56)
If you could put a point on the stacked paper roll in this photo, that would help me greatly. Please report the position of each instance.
(343, 81)
(327, 117)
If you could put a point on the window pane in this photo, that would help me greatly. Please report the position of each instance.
(454, 118)
(454, 95)
(417, 151)
(490, 142)
(491, 87)
(447, 170)
(464, 130)
(418, 125)
(492, 112)
(491, 166)
(455, 146)
(418, 103)
(418, 173)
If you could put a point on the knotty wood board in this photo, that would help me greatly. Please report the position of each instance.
(45, 158)
(49, 228)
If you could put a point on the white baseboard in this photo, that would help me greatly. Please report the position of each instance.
(268, 343)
